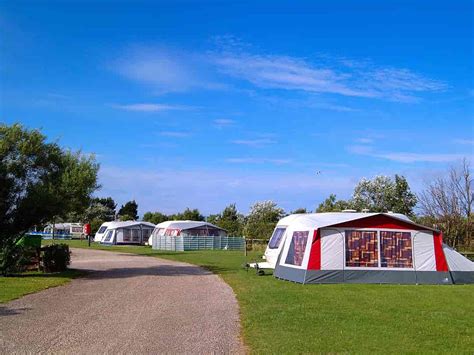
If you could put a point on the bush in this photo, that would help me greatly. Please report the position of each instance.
(13, 260)
(56, 257)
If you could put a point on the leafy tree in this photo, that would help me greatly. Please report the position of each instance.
(129, 210)
(126, 217)
(331, 204)
(188, 214)
(38, 181)
(155, 217)
(299, 211)
(384, 194)
(213, 218)
(229, 219)
(262, 219)
(100, 209)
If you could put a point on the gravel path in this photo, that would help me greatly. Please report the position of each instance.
(127, 304)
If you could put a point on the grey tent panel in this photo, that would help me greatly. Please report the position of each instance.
(463, 277)
(368, 276)
(289, 273)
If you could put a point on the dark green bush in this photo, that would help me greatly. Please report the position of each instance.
(56, 257)
(13, 259)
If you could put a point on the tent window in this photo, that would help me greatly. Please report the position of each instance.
(126, 235)
(297, 247)
(135, 235)
(276, 238)
(361, 249)
(171, 232)
(146, 234)
(108, 237)
(102, 229)
(396, 249)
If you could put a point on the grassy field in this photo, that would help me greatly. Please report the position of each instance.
(13, 287)
(284, 317)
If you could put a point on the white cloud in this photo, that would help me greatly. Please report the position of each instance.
(364, 140)
(149, 107)
(170, 70)
(255, 143)
(464, 141)
(404, 157)
(292, 73)
(258, 161)
(176, 134)
(166, 70)
(223, 123)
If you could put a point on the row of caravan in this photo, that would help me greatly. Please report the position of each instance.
(136, 232)
(334, 247)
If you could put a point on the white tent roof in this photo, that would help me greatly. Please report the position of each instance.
(326, 219)
(457, 262)
(183, 225)
(115, 225)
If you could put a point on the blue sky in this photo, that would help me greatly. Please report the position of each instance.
(201, 104)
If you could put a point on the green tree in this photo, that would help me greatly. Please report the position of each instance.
(383, 194)
(188, 214)
(300, 210)
(129, 211)
(213, 218)
(99, 211)
(38, 181)
(262, 219)
(229, 219)
(155, 217)
(332, 204)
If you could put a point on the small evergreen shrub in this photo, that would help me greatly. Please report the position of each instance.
(13, 259)
(56, 257)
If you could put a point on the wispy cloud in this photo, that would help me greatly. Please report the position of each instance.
(166, 70)
(255, 143)
(149, 107)
(258, 161)
(291, 73)
(404, 157)
(172, 70)
(464, 141)
(223, 123)
(364, 140)
(175, 134)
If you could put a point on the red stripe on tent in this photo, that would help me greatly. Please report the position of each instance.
(379, 221)
(441, 264)
(314, 262)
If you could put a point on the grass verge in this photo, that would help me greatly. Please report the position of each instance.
(284, 317)
(12, 287)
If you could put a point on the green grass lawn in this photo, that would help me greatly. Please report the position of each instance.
(283, 317)
(13, 287)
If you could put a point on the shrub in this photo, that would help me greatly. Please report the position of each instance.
(13, 260)
(56, 257)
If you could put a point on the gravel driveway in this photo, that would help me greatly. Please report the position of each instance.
(127, 304)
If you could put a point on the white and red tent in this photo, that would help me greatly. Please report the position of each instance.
(340, 247)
